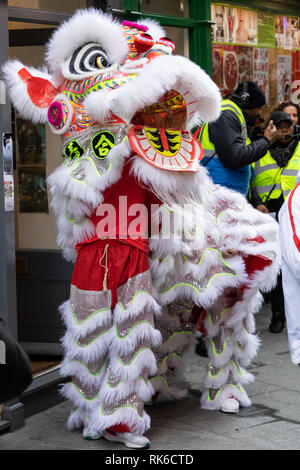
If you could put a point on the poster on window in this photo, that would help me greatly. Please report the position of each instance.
(245, 31)
(284, 77)
(245, 63)
(31, 143)
(217, 63)
(283, 31)
(230, 68)
(295, 32)
(7, 151)
(261, 70)
(265, 29)
(220, 28)
(295, 96)
(32, 189)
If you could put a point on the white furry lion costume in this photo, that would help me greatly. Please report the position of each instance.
(122, 103)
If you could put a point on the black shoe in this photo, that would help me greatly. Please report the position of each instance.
(277, 324)
(201, 348)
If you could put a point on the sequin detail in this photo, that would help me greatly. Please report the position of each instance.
(90, 338)
(129, 358)
(85, 304)
(87, 392)
(141, 283)
(123, 329)
(132, 401)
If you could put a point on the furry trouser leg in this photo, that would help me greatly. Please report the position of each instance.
(177, 335)
(131, 360)
(229, 348)
(88, 319)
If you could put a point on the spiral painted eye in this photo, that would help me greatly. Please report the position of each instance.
(101, 62)
(88, 58)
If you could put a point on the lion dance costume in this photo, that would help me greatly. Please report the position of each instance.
(122, 102)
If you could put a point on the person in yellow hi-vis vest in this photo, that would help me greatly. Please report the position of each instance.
(228, 151)
(274, 178)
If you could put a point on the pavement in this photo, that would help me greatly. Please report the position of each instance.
(271, 423)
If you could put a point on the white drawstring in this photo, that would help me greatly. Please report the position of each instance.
(105, 253)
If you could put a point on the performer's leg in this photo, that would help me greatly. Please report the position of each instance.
(126, 387)
(178, 336)
(88, 319)
(231, 345)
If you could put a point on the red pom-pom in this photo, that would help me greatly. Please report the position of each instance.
(167, 42)
(143, 42)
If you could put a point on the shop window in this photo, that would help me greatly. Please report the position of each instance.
(180, 36)
(260, 46)
(167, 7)
(37, 153)
(67, 6)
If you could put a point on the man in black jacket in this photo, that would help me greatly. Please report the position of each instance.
(228, 151)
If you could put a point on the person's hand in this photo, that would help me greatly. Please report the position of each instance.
(271, 132)
(262, 208)
(229, 253)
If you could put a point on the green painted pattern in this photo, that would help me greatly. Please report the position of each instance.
(222, 314)
(133, 298)
(222, 388)
(122, 406)
(134, 357)
(77, 162)
(159, 377)
(189, 333)
(182, 284)
(95, 374)
(215, 352)
(170, 355)
(82, 394)
(133, 326)
(72, 221)
(238, 369)
(215, 375)
(94, 339)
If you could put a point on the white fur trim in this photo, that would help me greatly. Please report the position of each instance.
(240, 376)
(156, 78)
(97, 348)
(71, 367)
(141, 332)
(85, 26)
(126, 415)
(161, 385)
(17, 90)
(143, 300)
(228, 391)
(143, 359)
(70, 392)
(112, 395)
(82, 328)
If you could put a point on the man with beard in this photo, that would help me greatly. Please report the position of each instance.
(228, 151)
(274, 178)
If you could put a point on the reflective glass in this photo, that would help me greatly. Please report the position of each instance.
(167, 7)
(65, 6)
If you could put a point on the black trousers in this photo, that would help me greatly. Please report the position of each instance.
(277, 299)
